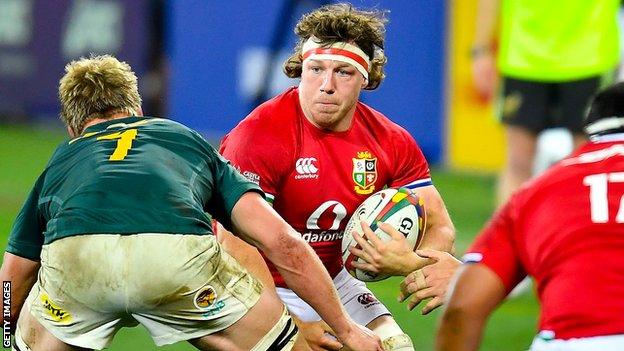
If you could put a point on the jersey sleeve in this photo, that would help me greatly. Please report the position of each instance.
(259, 153)
(496, 249)
(411, 167)
(227, 188)
(26, 237)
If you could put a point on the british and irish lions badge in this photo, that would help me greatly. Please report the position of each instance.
(364, 172)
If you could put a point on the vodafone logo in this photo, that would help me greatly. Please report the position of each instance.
(306, 168)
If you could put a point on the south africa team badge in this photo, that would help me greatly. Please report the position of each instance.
(205, 297)
(364, 172)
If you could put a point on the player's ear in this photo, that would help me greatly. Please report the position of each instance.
(71, 133)
(364, 83)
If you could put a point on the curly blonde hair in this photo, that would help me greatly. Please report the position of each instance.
(343, 23)
(97, 87)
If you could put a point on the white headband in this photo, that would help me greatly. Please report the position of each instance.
(339, 51)
(605, 124)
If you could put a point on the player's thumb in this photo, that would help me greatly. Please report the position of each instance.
(330, 342)
(429, 253)
(326, 328)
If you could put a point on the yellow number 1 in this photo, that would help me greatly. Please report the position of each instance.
(123, 144)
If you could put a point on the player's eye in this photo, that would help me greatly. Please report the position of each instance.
(344, 72)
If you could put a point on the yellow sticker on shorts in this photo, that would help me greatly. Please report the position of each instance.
(54, 311)
(205, 297)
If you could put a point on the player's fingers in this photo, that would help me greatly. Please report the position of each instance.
(413, 302)
(418, 281)
(413, 282)
(363, 244)
(370, 235)
(403, 294)
(327, 328)
(359, 253)
(390, 230)
(329, 343)
(409, 280)
(425, 293)
(365, 266)
(432, 304)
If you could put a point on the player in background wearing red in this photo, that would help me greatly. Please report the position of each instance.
(318, 153)
(566, 230)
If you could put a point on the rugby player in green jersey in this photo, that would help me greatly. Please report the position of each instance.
(117, 231)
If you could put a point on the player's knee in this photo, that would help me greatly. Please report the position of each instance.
(393, 338)
(282, 337)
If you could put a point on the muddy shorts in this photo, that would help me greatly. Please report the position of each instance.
(178, 287)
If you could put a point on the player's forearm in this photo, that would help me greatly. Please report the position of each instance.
(439, 232)
(258, 224)
(440, 236)
(307, 277)
(22, 275)
(459, 331)
(476, 292)
(486, 21)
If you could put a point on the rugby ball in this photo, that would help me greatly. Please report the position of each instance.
(400, 208)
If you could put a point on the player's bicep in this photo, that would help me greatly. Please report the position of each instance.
(257, 223)
(475, 289)
(434, 205)
(439, 232)
(411, 168)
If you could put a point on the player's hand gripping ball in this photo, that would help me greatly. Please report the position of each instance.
(400, 208)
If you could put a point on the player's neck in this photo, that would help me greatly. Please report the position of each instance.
(117, 115)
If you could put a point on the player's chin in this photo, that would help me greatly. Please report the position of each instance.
(326, 119)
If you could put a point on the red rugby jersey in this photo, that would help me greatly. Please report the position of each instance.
(316, 179)
(566, 229)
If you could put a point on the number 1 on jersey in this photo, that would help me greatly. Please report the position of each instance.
(123, 144)
(598, 196)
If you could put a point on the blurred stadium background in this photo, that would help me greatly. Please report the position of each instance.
(208, 63)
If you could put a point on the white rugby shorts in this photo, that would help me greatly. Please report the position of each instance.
(358, 300)
(178, 287)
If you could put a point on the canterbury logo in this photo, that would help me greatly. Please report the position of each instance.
(306, 168)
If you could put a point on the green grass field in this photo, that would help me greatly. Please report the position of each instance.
(25, 150)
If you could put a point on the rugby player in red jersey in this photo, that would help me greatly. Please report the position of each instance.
(566, 230)
(318, 152)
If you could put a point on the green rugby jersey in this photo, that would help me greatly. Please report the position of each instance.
(127, 176)
(558, 40)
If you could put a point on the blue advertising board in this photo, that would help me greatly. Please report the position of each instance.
(222, 54)
(38, 38)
